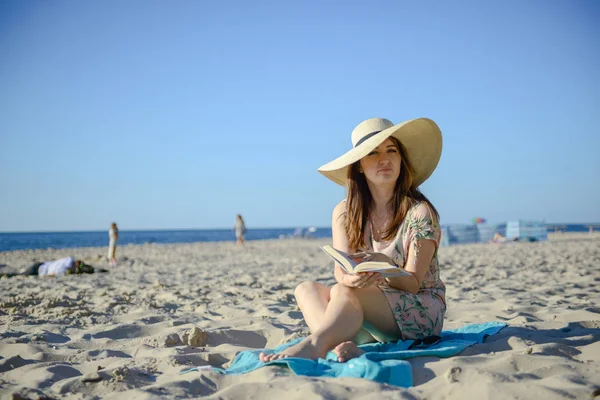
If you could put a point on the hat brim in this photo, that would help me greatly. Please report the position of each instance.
(421, 137)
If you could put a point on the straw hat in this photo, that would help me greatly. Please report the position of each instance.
(421, 137)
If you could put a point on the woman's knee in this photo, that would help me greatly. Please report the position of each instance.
(306, 288)
(340, 289)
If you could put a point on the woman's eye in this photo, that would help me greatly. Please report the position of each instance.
(392, 151)
(372, 153)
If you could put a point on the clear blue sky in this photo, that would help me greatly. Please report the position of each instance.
(181, 114)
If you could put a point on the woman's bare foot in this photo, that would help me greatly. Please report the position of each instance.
(305, 349)
(347, 351)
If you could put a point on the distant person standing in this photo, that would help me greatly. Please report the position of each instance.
(240, 230)
(113, 236)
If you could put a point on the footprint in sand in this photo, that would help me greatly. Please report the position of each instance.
(452, 374)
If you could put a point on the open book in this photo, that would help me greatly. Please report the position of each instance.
(353, 267)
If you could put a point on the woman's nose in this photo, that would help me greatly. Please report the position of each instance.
(383, 159)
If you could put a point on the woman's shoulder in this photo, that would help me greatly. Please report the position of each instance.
(338, 211)
(421, 210)
(340, 207)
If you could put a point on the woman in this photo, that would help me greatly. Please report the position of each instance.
(113, 236)
(386, 218)
(240, 230)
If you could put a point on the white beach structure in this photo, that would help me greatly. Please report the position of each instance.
(527, 230)
(459, 234)
(482, 233)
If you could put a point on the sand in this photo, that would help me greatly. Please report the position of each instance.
(118, 335)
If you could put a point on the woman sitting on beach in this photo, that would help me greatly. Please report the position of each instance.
(386, 218)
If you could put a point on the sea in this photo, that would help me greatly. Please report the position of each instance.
(60, 240)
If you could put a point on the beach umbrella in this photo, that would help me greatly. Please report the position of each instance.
(478, 220)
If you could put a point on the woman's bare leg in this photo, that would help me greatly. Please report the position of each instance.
(344, 316)
(313, 298)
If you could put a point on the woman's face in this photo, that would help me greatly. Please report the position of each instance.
(382, 165)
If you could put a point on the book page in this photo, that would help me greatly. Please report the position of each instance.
(352, 267)
(370, 266)
(385, 269)
(341, 258)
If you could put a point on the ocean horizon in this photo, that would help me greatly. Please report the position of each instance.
(10, 241)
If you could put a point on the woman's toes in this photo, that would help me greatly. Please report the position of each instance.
(267, 357)
(271, 357)
(346, 351)
(341, 351)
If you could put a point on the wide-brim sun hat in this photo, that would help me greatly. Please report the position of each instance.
(421, 137)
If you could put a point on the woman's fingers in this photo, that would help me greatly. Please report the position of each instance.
(351, 280)
(366, 279)
(371, 279)
(376, 278)
(359, 281)
(362, 279)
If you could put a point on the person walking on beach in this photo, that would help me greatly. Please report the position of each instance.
(384, 217)
(113, 236)
(240, 230)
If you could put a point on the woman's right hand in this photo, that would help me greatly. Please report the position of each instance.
(361, 280)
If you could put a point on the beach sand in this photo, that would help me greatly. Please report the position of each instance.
(117, 335)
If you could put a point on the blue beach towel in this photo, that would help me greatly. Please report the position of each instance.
(381, 362)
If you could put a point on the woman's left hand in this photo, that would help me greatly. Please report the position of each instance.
(371, 256)
(361, 280)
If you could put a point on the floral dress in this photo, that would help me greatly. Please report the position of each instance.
(421, 314)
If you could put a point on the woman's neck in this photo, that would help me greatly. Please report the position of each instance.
(382, 199)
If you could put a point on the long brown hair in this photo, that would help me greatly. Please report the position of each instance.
(359, 200)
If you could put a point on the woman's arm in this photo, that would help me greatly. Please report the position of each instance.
(417, 263)
(340, 238)
(423, 236)
(340, 242)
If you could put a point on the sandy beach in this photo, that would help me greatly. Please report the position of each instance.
(165, 308)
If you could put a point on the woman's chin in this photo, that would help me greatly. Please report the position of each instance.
(383, 180)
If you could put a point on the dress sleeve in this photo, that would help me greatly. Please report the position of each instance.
(422, 225)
